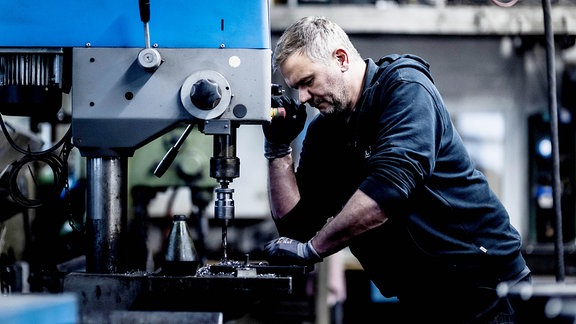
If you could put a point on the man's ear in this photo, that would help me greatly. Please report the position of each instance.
(342, 58)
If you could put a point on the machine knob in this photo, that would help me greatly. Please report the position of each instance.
(205, 94)
(149, 59)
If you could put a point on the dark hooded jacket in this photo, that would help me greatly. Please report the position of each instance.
(446, 227)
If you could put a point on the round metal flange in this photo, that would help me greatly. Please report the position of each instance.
(223, 88)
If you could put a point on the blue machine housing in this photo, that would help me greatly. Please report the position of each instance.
(114, 23)
(118, 104)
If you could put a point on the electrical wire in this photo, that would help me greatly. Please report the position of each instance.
(19, 196)
(15, 146)
(58, 163)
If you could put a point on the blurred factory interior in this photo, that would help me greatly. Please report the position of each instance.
(489, 61)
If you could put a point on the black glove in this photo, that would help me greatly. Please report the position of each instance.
(281, 131)
(287, 251)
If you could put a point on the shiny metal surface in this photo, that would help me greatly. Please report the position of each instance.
(106, 216)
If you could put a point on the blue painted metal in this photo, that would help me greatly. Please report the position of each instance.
(116, 23)
(39, 308)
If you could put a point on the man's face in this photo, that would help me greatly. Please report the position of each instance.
(321, 85)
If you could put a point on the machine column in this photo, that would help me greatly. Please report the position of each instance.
(106, 219)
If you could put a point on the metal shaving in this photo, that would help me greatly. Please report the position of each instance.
(205, 271)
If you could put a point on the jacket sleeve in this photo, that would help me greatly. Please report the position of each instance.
(408, 138)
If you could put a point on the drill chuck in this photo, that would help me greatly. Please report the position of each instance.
(224, 204)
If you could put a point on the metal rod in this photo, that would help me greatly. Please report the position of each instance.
(553, 107)
(106, 215)
(147, 35)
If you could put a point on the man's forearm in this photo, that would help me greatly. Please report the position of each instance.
(282, 187)
(360, 214)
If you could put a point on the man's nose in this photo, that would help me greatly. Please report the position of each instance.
(304, 96)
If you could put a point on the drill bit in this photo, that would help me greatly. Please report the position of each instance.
(225, 242)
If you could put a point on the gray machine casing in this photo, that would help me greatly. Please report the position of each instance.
(122, 106)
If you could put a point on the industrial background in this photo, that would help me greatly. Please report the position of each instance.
(103, 146)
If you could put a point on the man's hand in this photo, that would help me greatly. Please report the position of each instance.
(287, 251)
(281, 131)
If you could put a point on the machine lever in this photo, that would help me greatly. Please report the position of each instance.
(149, 58)
(144, 6)
(172, 152)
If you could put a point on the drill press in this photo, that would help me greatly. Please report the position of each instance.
(201, 63)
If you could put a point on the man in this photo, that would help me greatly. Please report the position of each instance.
(384, 172)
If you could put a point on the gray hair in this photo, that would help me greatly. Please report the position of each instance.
(316, 37)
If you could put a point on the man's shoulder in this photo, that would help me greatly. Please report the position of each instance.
(401, 59)
(389, 68)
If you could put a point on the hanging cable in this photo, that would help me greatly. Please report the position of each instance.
(58, 163)
(15, 146)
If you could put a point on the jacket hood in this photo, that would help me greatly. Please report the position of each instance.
(389, 63)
